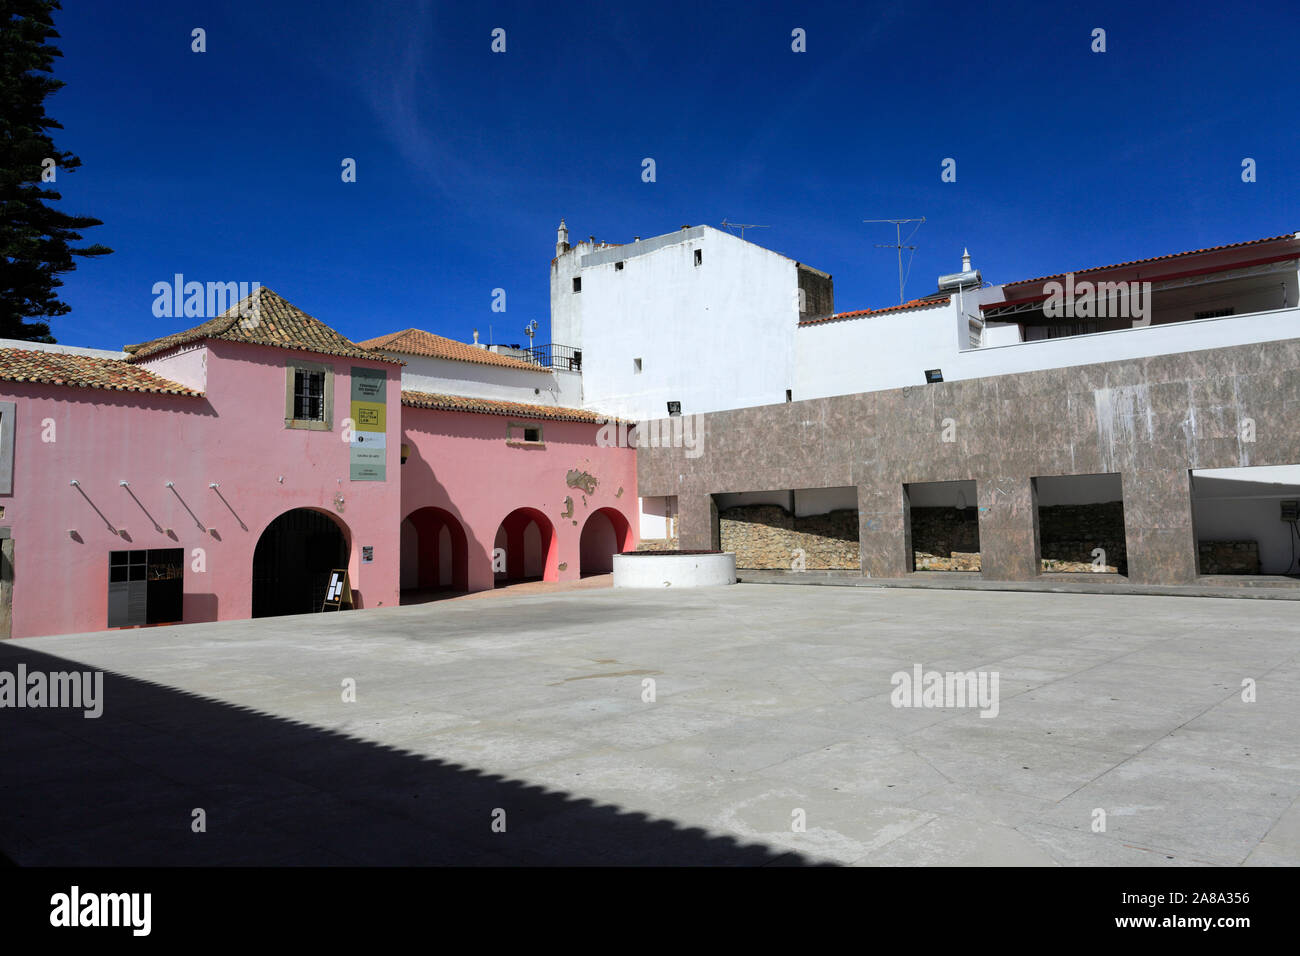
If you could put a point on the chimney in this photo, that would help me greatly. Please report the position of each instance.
(476, 338)
(965, 260)
(561, 240)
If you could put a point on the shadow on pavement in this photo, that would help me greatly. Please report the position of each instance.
(122, 790)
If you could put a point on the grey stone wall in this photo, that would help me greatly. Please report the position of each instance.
(1068, 534)
(1229, 557)
(657, 544)
(768, 537)
(945, 533)
(1150, 420)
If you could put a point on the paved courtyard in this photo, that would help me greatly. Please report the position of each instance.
(527, 712)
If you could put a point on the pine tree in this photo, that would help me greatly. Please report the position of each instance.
(35, 239)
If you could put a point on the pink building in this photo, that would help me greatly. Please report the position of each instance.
(225, 471)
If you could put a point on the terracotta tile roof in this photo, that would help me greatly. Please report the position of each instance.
(1172, 255)
(860, 313)
(83, 371)
(419, 342)
(491, 406)
(267, 319)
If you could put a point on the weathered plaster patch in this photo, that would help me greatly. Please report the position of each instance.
(581, 479)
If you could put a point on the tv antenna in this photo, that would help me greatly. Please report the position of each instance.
(900, 246)
(742, 226)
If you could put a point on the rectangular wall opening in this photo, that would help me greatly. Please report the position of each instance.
(1245, 521)
(1081, 524)
(658, 523)
(805, 529)
(944, 526)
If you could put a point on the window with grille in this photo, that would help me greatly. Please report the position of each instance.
(308, 396)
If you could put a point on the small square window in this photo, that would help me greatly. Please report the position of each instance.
(618, 266)
(699, 257)
(577, 283)
(636, 366)
(523, 433)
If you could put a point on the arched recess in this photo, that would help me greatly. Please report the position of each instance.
(293, 560)
(605, 533)
(435, 551)
(526, 547)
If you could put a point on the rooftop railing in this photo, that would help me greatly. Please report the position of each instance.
(563, 357)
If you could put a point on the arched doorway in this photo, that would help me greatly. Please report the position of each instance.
(435, 553)
(293, 560)
(525, 548)
(605, 534)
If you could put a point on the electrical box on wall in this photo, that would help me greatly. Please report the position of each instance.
(1291, 511)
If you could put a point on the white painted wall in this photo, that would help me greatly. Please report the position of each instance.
(447, 377)
(1264, 474)
(1001, 334)
(66, 349)
(1226, 510)
(894, 350)
(1231, 504)
(656, 516)
(715, 336)
(567, 307)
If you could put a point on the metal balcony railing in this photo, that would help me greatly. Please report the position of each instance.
(563, 357)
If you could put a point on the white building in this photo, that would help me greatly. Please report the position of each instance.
(696, 317)
(1236, 294)
(713, 322)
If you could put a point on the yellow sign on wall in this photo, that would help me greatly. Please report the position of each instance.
(369, 416)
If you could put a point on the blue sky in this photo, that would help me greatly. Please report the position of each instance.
(225, 165)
